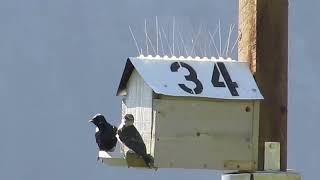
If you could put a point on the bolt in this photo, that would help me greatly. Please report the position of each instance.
(248, 109)
(283, 109)
(204, 165)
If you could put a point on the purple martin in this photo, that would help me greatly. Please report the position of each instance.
(105, 133)
(130, 137)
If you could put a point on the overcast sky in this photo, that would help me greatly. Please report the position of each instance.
(61, 61)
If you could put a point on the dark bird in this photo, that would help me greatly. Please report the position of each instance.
(105, 133)
(130, 137)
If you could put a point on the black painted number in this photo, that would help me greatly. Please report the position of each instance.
(215, 78)
(191, 77)
(225, 74)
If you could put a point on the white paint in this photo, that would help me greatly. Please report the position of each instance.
(241, 176)
(113, 159)
(166, 57)
(157, 75)
(138, 102)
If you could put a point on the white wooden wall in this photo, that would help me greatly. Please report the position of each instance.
(139, 103)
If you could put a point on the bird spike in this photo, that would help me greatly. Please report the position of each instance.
(219, 38)
(135, 41)
(203, 42)
(157, 34)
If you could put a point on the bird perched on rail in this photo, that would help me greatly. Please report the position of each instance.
(130, 137)
(105, 133)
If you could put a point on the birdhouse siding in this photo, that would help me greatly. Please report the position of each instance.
(205, 134)
(138, 102)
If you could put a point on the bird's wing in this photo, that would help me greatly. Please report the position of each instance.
(98, 140)
(130, 137)
(106, 139)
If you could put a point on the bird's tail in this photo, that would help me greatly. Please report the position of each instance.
(148, 159)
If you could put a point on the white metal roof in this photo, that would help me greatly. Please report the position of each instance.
(211, 78)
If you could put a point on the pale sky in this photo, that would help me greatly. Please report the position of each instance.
(61, 62)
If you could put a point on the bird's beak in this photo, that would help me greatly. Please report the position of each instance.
(90, 121)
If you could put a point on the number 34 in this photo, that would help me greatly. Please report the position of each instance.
(214, 80)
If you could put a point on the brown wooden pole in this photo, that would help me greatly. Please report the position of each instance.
(263, 42)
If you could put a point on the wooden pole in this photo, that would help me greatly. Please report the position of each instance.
(263, 42)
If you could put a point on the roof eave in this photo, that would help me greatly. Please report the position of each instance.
(128, 69)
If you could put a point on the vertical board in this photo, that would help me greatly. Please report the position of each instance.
(153, 133)
(266, 50)
(204, 134)
(255, 133)
(272, 156)
(138, 102)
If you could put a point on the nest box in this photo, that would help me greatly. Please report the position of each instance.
(193, 113)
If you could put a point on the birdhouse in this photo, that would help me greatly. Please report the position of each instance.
(195, 113)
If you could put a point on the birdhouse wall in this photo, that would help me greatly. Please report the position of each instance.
(206, 134)
(138, 102)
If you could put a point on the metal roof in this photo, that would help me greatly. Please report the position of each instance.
(211, 78)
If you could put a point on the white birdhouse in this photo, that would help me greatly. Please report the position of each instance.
(193, 113)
